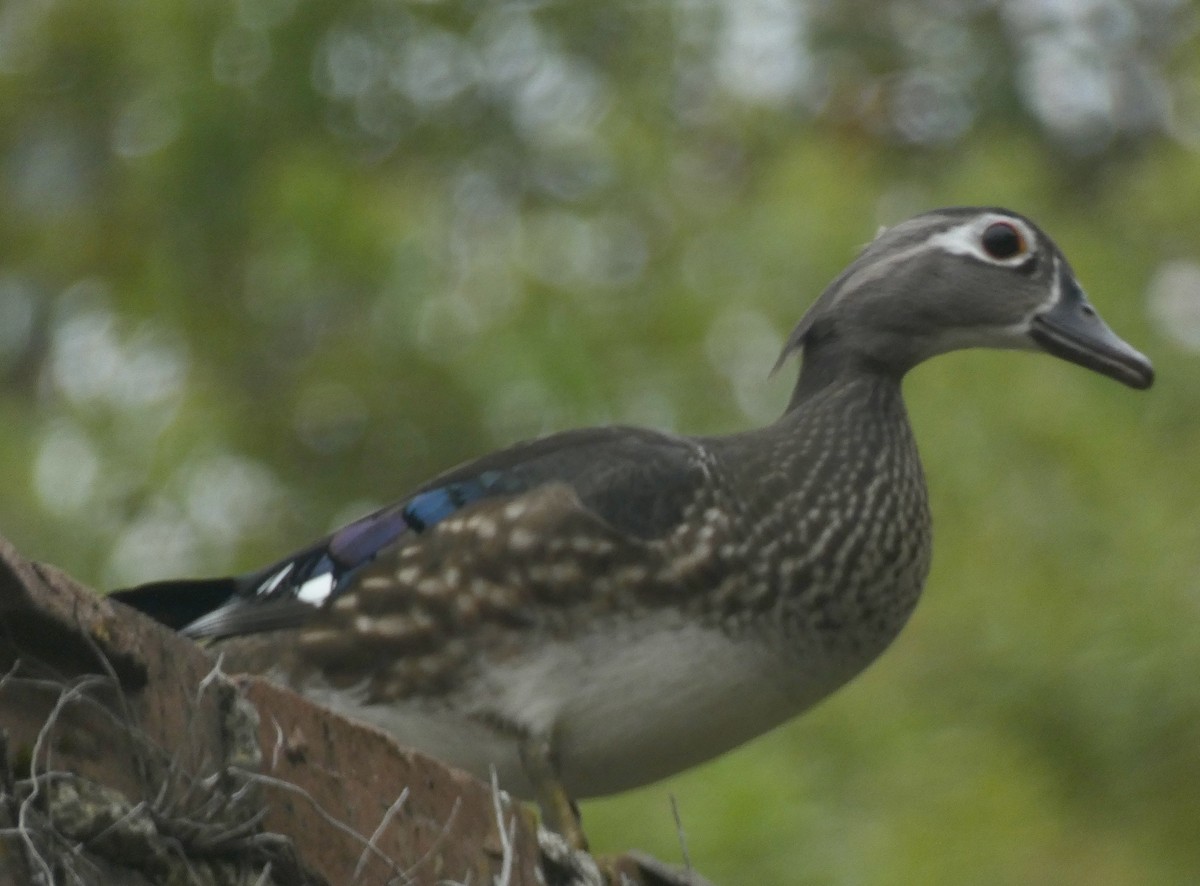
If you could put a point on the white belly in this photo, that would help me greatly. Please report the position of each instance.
(621, 710)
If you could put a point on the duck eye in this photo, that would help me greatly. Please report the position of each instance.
(1002, 240)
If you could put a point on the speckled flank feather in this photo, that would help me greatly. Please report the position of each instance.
(542, 562)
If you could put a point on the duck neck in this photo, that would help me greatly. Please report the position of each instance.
(853, 515)
(827, 366)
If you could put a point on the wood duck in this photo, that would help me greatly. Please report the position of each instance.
(601, 608)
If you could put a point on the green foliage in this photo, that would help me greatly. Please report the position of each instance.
(265, 263)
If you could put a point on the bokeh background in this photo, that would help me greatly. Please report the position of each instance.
(265, 264)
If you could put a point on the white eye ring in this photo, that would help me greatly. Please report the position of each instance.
(969, 239)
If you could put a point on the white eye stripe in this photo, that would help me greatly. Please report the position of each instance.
(966, 239)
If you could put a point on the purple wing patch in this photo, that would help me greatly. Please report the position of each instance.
(320, 573)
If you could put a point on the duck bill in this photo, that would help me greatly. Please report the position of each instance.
(1071, 329)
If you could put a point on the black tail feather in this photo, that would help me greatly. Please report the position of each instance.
(178, 602)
